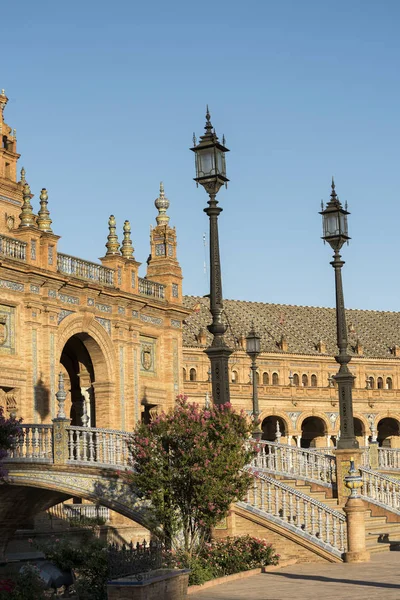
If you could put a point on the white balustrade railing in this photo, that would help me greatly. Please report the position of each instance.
(296, 462)
(80, 511)
(381, 489)
(90, 445)
(70, 265)
(389, 458)
(12, 248)
(297, 512)
(34, 445)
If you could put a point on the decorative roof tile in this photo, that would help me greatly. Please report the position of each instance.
(304, 327)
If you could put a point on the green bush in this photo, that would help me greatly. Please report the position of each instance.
(88, 560)
(24, 585)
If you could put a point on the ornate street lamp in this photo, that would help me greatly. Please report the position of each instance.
(211, 174)
(253, 350)
(335, 232)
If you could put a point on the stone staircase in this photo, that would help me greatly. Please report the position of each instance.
(381, 534)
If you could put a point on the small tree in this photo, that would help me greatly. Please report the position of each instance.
(188, 464)
(10, 431)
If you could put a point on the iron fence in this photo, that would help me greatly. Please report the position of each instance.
(134, 560)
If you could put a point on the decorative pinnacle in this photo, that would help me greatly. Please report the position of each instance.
(43, 220)
(112, 238)
(127, 248)
(3, 100)
(23, 173)
(26, 216)
(162, 205)
(61, 396)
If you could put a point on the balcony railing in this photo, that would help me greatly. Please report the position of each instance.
(12, 248)
(83, 269)
(151, 288)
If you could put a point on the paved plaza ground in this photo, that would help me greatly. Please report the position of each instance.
(379, 578)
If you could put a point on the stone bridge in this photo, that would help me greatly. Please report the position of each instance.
(51, 463)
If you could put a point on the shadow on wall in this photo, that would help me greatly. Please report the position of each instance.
(42, 399)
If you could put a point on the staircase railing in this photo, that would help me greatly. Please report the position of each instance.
(98, 447)
(381, 490)
(297, 512)
(297, 462)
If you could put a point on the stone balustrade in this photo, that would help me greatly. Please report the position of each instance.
(12, 248)
(298, 512)
(34, 445)
(80, 511)
(100, 447)
(151, 288)
(388, 458)
(83, 269)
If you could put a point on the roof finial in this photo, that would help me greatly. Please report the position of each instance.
(112, 238)
(127, 248)
(162, 205)
(208, 127)
(26, 216)
(43, 220)
(334, 197)
(23, 173)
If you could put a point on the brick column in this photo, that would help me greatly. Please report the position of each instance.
(355, 517)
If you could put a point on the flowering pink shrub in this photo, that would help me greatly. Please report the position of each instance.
(223, 557)
(188, 464)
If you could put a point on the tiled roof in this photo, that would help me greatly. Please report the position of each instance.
(302, 326)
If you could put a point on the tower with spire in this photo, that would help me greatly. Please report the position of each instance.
(162, 264)
(10, 189)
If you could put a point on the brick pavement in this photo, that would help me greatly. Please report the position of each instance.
(379, 578)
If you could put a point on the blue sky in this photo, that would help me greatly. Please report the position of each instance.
(106, 96)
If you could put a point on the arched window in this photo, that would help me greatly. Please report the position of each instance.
(184, 374)
(379, 383)
(296, 380)
(265, 378)
(234, 377)
(313, 381)
(371, 382)
(192, 374)
(257, 378)
(304, 380)
(275, 379)
(389, 383)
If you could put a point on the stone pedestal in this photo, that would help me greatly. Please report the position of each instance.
(342, 468)
(355, 517)
(373, 455)
(165, 584)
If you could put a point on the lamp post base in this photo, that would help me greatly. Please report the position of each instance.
(257, 434)
(219, 359)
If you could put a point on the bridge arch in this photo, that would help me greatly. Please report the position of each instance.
(87, 358)
(55, 483)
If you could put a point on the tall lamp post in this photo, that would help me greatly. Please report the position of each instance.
(253, 350)
(211, 174)
(335, 232)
